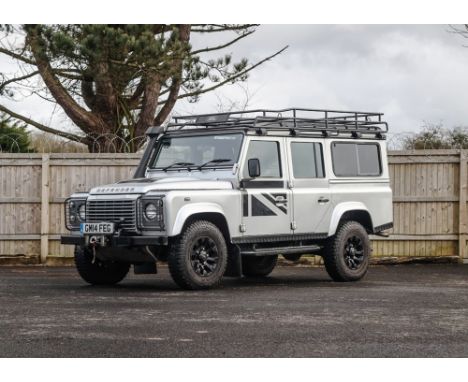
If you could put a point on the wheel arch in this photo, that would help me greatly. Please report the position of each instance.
(206, 211)
(355, 211)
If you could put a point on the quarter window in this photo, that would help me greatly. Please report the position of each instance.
(267, 153)
(356, 159)
(307, 160)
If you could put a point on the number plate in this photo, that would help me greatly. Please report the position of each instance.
(97, 228)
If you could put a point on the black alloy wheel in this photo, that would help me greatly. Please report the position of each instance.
(204, 257)
(354, 252)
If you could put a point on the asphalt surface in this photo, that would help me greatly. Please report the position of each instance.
(397, 311)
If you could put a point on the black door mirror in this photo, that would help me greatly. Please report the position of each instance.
(254, 167)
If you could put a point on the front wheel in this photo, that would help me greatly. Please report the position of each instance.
(97, 272)
(347, 254)
(198, 257)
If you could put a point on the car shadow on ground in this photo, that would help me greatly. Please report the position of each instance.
(167, 285)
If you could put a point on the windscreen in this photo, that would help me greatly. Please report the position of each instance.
(209, 150)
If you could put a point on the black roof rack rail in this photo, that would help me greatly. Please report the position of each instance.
(296, 120)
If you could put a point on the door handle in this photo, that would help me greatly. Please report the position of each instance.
(280, 199)
(323, 200)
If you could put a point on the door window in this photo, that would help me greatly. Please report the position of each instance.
(267, 152)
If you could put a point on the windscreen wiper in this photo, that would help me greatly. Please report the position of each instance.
(221, 160)
(184, 164)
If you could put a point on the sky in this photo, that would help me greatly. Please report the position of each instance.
(414, 74)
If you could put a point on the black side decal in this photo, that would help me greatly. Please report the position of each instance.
(275, 194)
(280, 204)
(262, 184)
(245, 204)
(283, 209)
(260, 209)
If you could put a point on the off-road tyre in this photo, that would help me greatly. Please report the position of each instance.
(99, 272)
(198, 256)
(337, 254)
(258, 266)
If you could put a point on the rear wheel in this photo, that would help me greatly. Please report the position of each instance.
(97, 272)
(347, 254)
(258, 266)
(198, 257)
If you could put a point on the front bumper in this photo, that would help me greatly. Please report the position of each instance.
(118, 241)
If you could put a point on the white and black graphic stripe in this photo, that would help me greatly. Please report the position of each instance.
(265, 204)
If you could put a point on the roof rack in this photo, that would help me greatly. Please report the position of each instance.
(294, 120)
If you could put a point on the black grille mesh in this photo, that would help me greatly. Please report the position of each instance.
(112, 211)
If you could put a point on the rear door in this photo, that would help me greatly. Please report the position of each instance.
(266, 199)
(309, 184)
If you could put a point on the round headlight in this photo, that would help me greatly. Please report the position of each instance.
(151, 211)
(82, 212)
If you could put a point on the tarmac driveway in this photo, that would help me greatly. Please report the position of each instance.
(404, 310)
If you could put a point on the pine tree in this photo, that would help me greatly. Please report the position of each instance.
(114, 81)
(14, 137)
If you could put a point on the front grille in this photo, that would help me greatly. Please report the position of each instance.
(112, 211)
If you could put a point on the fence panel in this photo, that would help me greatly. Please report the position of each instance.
(429, 190)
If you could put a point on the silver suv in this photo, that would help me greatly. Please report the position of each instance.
(224, 194)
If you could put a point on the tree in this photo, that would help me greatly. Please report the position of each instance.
(114, 81)
(435, 136)
(14, 137)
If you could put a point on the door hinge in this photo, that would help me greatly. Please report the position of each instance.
(290, 184)
(293, 225)
(242, 228)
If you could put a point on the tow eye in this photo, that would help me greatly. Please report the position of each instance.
(94, 241)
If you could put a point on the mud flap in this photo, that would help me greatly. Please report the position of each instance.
(234, 265)
(145, 268)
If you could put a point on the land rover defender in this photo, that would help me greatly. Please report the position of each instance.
(224, 194)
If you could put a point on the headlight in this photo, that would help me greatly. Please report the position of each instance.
(82, 212)
(75, 213)
(151, 211)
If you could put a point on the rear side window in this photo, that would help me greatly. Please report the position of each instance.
(356, 159)
(307, 160)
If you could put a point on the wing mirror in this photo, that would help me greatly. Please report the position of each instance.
(253, 165)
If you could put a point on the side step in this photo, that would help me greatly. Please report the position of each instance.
(280, 250)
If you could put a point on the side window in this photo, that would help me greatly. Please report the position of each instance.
(356, 159)
(267, 153)
(307, 160)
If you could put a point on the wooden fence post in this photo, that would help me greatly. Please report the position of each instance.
(45, 200)
(462, 212)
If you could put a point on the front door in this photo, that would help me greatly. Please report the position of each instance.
(266, 202)
(309, 185)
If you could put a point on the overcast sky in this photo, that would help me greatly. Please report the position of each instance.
(412, 73)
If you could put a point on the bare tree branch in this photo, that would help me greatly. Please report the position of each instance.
(210, 49)
(17, 56)
(218, 85)
(17, 79)
(211, 28)
(40, 126)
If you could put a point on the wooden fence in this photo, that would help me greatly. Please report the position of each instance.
(430, 202)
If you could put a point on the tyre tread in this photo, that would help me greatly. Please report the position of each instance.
(332, 253)
(176, 259)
